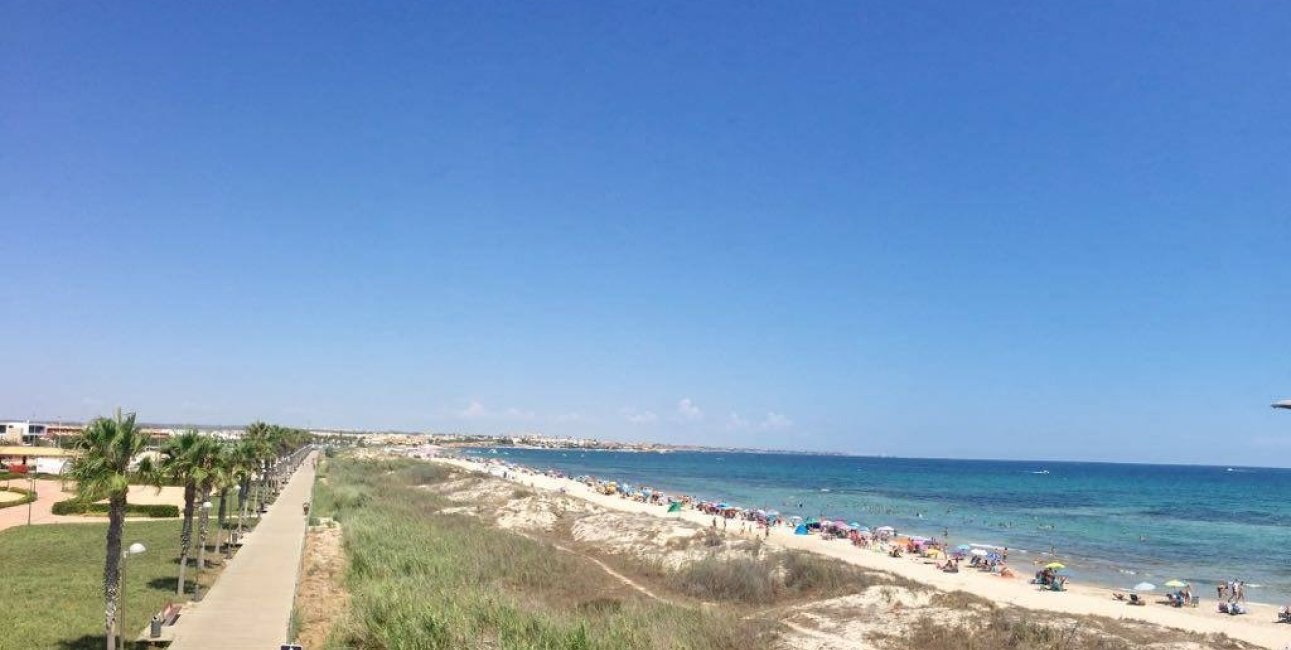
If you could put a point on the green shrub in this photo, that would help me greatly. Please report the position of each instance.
(27, 497)
(76, 507)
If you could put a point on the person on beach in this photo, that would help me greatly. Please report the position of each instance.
(1221, 590)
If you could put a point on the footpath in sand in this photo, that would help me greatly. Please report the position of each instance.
(1258, 627)
(250, 605)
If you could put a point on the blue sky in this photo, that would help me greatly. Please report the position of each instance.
(1027, 230)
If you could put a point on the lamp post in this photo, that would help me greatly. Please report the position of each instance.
(31, 484)
(135, 549)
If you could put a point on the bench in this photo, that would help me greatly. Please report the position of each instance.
(168, 615)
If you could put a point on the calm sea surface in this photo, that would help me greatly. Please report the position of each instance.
(1113, 524)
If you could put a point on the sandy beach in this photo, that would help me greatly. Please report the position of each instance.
(1258, 627)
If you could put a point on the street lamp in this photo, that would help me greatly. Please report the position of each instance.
(31, 484)
(135, 549)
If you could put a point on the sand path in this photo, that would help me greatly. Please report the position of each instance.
(1258, 627)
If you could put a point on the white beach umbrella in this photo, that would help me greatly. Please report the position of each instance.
(1144, 586)
(979, 552)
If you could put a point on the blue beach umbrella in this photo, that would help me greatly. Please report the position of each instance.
(963, 547)
(1144, 586)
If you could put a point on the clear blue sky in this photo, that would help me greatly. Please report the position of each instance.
(1032, 229)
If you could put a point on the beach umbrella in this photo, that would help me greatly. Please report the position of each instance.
(1055, 565)
(885, 529)
(1144, 586)
(854, 524)
(979, 552)
(862, 529)
(839, 523)
(935, 554)
(1176, 583)
(963, 547)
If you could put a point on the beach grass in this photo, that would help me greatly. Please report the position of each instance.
(52, 592)
(421, 579)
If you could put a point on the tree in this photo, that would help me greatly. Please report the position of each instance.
(246, 461)
(227, 474)
(184, 459)
(108, 446)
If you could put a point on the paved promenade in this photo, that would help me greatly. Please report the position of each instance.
(249, 607)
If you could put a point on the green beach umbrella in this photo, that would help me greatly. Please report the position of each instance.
(1176, 583)
(1055, 565)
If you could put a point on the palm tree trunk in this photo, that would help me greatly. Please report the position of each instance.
(112, 565)
(219, 521)
(244, 491)
(186, 533)
(201, 535)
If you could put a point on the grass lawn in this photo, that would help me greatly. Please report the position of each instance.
(52, 588)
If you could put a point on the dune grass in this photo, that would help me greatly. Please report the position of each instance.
(420, 579)
(52, 592)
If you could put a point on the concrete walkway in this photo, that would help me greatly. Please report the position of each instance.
(249, 607)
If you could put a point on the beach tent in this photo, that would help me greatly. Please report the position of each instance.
(800, 530)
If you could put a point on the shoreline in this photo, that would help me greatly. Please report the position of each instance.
(1257, 627)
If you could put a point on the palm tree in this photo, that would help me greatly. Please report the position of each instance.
(227, 473)
(184, 459)
(107, 448)
(217, 475)
(245, 455)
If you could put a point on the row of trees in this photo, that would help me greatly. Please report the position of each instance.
(111, 456)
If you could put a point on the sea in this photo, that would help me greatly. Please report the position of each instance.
(1113, 525)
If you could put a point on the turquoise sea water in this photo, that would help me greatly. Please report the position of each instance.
(1113, 524)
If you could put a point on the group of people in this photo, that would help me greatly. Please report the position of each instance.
(1232, 597)
(1049, 578)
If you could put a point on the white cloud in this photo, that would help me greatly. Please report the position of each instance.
(477, 411)
(687, 410)
(771, 422)
(638, 417)
(775, 420)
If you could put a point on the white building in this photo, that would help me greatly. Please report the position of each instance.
(20, 433)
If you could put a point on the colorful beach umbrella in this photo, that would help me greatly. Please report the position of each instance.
(1176, 583)
(1144, 586)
